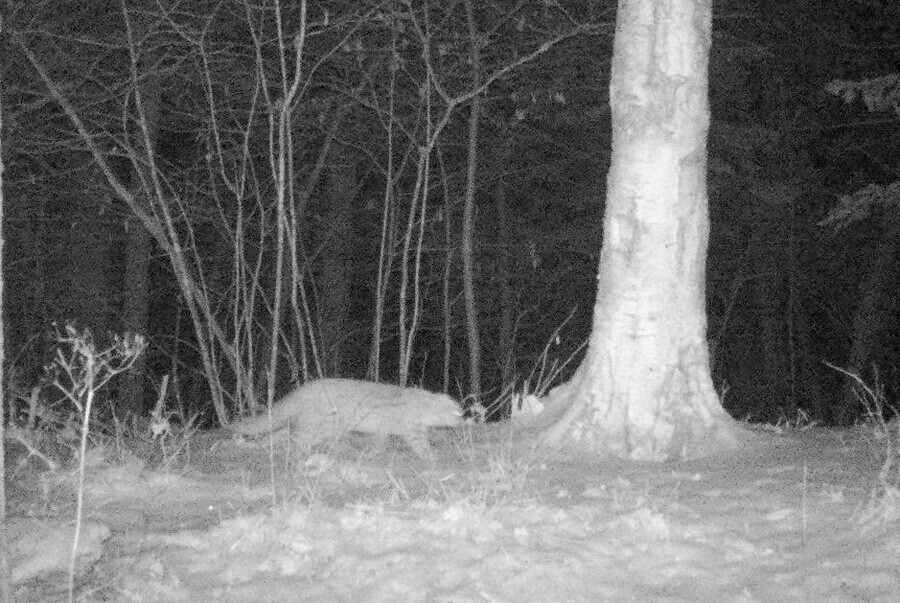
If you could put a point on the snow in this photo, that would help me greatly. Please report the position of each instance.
(797, 516)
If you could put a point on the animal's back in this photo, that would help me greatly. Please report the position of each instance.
(329, 408)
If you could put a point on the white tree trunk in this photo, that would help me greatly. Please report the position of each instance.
(644, 390)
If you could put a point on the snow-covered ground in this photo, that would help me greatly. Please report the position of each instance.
(795, 516)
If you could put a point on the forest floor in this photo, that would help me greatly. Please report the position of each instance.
(799, 515)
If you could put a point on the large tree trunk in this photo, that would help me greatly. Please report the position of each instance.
(505, 270)
(139, 246)
(644, 390)
(5, 591)
(136, 308)
(872, 318)
(769, 292)
(473, 333)
(337, 255)
(88, 268)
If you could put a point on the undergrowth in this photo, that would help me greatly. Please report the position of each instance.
(882, 424)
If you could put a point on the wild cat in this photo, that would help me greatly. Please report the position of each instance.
(326, 409)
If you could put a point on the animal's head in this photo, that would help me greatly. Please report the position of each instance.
(438, 409)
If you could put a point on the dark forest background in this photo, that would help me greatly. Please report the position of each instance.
(211, 174)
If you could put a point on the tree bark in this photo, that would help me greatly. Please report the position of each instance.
(644, 389)
(872, 317)
(89, 286)
(506, 266)
(136, 308)
(473, 336)
(769, 292)
(139, 246)
(5, 590)
(334, 292)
